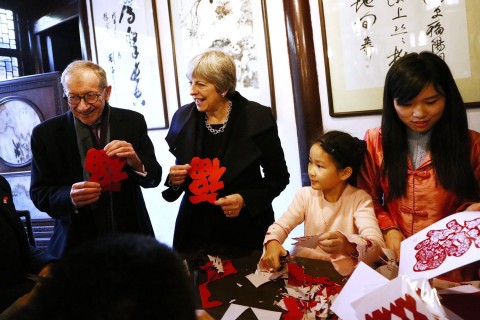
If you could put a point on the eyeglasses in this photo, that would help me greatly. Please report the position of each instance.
(91, 98)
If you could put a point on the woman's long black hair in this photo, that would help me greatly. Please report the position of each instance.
(450, 145)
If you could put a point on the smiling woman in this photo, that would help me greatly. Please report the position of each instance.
(222, 142)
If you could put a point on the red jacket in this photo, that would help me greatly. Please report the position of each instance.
(425, 202)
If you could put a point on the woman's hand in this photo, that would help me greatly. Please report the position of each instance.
(336, 243)
(178, 174)
(473, 207)
(271, 258)
(231, 205)
(393, 238)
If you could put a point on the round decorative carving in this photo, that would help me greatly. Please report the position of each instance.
(18, 117)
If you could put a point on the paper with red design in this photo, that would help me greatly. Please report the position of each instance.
(399, 299)
(447, 244)
(105, 170)
(205, 175)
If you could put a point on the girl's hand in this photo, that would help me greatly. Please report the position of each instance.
(336, 243)
(271, 259)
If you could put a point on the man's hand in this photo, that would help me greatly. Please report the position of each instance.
(85, 193)
(123, 149)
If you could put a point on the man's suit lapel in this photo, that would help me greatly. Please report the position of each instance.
(116, 124)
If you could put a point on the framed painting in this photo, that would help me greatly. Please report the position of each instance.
(126, 42)
(239, 28)
(20, 184)
(24, 103)
(362, 39)
(18, 116)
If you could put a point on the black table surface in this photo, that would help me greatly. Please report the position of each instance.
(237, 289)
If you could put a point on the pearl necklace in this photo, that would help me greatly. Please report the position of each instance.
(222, 128)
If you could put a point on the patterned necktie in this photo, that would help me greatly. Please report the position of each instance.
(95, 132)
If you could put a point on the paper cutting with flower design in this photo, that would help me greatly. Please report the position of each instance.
(447, 244)
(105, 170)
(453, 241)
(205, 174)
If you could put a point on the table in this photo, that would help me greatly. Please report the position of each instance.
(236, 288)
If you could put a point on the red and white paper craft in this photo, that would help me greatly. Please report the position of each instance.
(216, 262)
(400, 298)
(447, 244)
(105, 170)
(369, 295)
(212, 270)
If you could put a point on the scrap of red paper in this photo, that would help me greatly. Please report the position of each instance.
(298, 277)
(293, 312)
(206, 174)
(212, 275)
(205, 296)
(105, 170)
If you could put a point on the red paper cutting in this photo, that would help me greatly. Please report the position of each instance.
(454, 241)
(206, 174)
(105, 170)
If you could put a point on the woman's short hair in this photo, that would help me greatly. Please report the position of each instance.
(79, 66)
(216, 67)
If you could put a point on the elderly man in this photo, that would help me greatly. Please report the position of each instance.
(61, 185)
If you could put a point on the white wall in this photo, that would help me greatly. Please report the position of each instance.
(162, 213)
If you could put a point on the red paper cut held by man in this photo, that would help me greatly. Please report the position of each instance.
(105, 170)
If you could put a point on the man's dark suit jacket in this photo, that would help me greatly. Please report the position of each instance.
(56, 166)
(17, 256)
(255, 168)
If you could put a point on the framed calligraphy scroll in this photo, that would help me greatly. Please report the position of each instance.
(239, 28)
(126, 42)
(363, 38)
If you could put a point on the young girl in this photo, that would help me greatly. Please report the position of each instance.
(331, 207)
